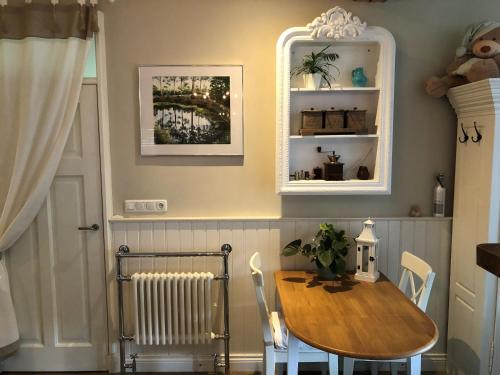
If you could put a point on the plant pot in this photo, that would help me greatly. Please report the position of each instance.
(326, 274)
(312, 81)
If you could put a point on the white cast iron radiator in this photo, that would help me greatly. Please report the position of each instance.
(172, 308)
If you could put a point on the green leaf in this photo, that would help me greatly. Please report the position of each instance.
(323, 227)
(339, 267)
(327, 81)
(325, 258)
(289, 251)
(306, 249)
(292, 248)
(340, 235)
(341, 242)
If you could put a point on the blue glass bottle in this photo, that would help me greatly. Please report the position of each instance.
(358, 78)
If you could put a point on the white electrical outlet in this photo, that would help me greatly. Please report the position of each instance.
(146, 206)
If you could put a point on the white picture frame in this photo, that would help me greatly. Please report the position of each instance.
(191, 109)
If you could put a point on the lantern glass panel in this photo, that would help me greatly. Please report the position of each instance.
(366, 257)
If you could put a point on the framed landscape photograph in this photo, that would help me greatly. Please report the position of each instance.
(191, 110)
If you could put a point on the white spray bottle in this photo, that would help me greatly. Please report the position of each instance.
(439, 196)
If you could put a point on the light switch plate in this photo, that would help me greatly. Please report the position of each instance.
(146, 206)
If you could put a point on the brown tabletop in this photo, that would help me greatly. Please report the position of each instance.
(353, 318)
(488, 257)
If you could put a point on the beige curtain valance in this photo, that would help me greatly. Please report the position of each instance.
(48, 21)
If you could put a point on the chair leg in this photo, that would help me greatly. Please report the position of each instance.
(269, 360)
(394, 368)
(292, 355)
(348, 366)
(373, 368)
(414, 365)
(333, 364)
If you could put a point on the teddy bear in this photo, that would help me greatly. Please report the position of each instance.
(477, 58)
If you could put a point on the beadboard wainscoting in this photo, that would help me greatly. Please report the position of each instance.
(428, 238)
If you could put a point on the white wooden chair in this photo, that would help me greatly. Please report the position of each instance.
(275, 332)
(412, 265)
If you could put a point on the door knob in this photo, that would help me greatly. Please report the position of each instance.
(93, 227)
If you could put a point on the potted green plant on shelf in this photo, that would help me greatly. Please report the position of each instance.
(316, 66)
(327, 250)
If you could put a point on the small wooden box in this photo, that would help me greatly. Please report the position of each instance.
(356, 119)
(312, 119)
(334, 119)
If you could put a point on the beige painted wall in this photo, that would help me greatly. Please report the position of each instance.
(245, 32)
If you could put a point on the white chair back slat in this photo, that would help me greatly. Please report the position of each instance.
(265, 315)
(413, 265)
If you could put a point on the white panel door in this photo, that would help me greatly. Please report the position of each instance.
(472, 290)
(57, 270)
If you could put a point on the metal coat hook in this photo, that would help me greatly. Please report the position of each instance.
(478, 135)
(466, 136)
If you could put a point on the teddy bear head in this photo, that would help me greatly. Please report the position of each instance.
(487, 45)
(481, 40)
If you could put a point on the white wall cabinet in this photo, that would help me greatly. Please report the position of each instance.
(476, 217)
(373, 49)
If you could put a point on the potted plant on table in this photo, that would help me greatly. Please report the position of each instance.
(316, 66)
(327, 250)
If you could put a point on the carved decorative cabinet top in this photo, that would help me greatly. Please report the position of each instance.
(336, 23)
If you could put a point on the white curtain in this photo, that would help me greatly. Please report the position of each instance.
(40, 82)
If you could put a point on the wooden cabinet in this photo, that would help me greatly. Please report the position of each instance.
(371, 48)
(476, 219)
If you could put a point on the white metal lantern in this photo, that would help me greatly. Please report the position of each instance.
(367, 253)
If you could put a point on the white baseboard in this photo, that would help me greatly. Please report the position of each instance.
(187, 363)
(434, 362)
(241, 362)
(430, 362)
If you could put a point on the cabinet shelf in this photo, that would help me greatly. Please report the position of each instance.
(325, 182)
(332, 136)
(297, 90)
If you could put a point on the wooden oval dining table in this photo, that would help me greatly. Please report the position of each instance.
(351, 318)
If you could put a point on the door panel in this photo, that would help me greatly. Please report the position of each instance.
(71, 286)
(56, 270)
(26, 264)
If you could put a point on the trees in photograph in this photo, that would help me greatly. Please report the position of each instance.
(191, 109)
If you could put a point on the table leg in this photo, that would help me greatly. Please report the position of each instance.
(277, 302)
(348, 366)
(413, 365)
(293, 355)
(333, 364)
